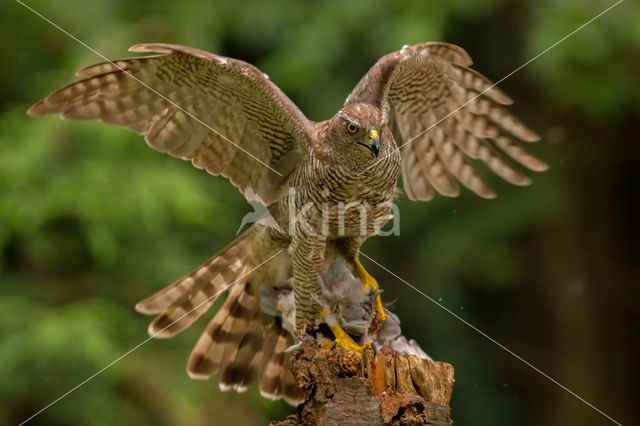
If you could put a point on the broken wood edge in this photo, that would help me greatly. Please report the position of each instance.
(377, 388)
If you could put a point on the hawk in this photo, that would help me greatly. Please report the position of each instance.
(420, 112)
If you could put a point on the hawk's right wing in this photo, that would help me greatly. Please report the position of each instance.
(222, 114)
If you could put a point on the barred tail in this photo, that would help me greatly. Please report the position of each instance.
(241, 342)
(276, 378)
(181, 303)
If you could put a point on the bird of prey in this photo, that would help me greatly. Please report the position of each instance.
(420, 112)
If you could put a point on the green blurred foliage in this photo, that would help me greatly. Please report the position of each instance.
(91, 220)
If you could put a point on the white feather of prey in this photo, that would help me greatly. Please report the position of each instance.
(349, 307)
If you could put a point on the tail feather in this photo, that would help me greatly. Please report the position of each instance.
(276, 380)
(180, 304)
(161, 300)
(270, 377)
(186, 310)
(255, 361)
(237, 330)
(241, 342)
(238, 372)
(206, 357)
(217, 265)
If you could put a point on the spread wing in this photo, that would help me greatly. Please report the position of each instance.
(222, 114)
(444, 115)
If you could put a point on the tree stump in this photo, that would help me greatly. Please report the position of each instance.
(374, 388)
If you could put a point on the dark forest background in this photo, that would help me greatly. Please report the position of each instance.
(92, 220)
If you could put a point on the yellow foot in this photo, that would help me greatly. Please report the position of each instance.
(342, 337)
(352, 346)
(370, 284)
(380, 315)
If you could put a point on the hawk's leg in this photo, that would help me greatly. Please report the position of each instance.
(369, 284)
(307, 253)
(307, 258)
(342, 337)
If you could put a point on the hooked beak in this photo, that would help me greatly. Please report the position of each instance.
(374, 142)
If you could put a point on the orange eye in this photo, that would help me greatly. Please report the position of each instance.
(351, 128)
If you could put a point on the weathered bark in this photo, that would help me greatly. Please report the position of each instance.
(349, 388)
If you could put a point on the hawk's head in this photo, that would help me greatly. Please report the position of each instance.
(355, 135)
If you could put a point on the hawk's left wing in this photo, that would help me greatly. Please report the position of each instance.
(445, 113)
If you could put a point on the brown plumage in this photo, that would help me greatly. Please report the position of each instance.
(227, 117)
(242, 343)
(429, 86)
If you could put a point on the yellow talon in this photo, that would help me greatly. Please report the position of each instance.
(370, 284)
(342, 339)
(380, 315)
(345, 341)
